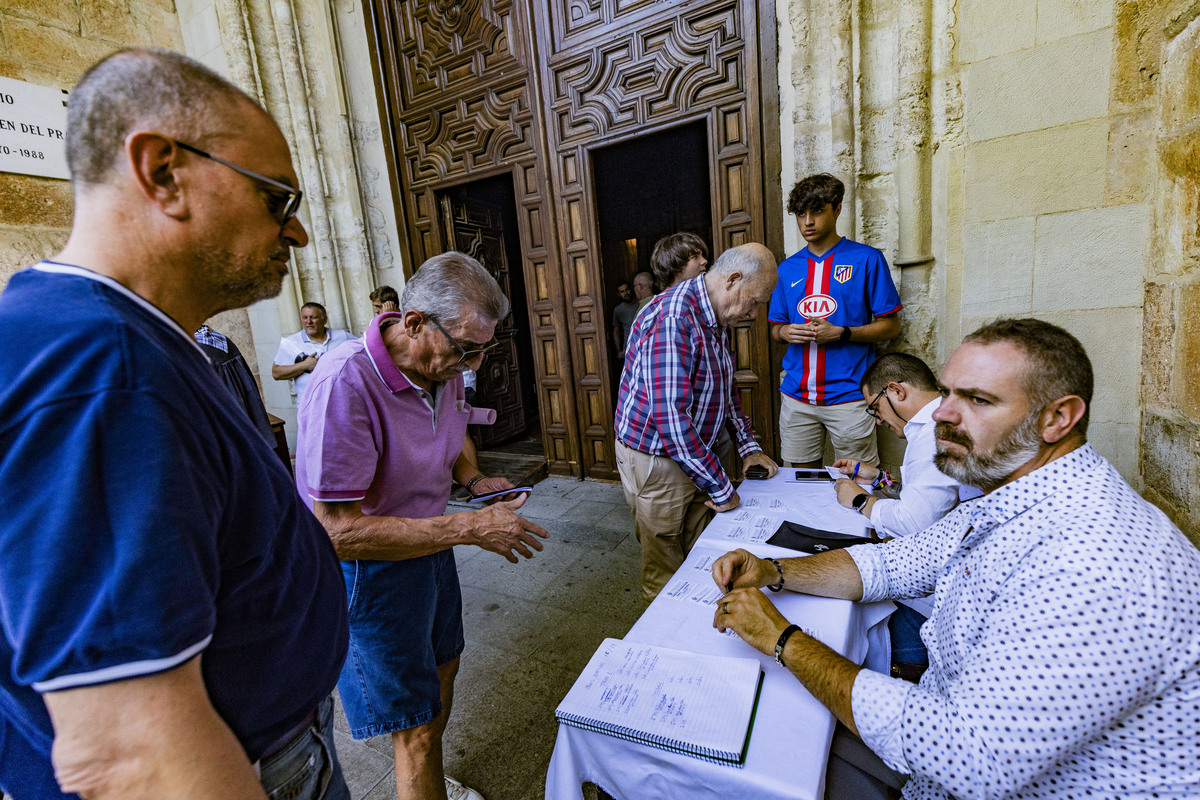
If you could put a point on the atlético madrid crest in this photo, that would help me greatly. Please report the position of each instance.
(842, 272)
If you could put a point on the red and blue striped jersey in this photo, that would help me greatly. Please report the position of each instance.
(849, 285)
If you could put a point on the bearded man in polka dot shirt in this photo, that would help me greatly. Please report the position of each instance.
(1064, 644)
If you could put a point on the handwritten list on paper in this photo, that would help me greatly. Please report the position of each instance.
(682, 701)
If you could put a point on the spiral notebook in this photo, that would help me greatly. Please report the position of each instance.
(690, 703)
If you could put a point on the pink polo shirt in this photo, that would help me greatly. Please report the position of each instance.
(365, 432)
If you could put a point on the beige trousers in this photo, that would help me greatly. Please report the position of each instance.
(668, 512)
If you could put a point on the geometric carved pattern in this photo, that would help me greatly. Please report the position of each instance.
(616, 68)
(455, 75)
(449, 45)
(673, 65)
(467, 135)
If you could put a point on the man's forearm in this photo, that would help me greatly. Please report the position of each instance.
(879, 330)
(358, 536)
(281, 372)
(827, 675)
(832, 574)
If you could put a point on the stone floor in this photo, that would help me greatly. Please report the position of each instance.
(530, 629)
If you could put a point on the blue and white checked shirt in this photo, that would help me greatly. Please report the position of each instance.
(678, 388)
(1064, 645)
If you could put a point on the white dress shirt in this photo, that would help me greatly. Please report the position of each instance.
(299, 342)
(1064, 645)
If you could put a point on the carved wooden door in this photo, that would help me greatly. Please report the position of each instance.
(616, 69)
(476, 228)
(457, 84)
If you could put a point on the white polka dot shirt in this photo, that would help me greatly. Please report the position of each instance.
(1064, 645)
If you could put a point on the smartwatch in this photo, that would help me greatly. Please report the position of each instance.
(859, 501)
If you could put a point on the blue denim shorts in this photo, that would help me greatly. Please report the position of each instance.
(405, 622)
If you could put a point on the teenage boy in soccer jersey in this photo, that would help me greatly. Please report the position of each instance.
(834, 300)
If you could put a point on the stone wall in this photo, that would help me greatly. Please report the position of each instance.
(308, 63)
(1043, 188)
(51, 43)
(1157, 95)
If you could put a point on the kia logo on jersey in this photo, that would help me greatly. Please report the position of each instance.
(842, 272)
(817, 306)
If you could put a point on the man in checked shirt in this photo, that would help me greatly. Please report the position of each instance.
(1064, 643)
(677, 392)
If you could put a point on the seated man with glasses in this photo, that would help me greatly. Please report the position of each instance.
(902, 394)
(381, 436)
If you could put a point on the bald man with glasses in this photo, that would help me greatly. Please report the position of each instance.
(381, 437)
(174, 620)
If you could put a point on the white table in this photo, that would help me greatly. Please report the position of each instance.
(789, 745)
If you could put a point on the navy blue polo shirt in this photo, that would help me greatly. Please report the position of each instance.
(144, 521)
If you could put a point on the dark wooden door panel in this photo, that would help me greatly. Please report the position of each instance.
(615, 70)
(477, 229)
(478, 87)
(455, 84)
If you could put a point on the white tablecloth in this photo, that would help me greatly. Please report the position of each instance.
(789, 745)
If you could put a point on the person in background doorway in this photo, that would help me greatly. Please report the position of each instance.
(623, 317)
(384, 299)
(297, 355)
(643, 288)
(677, 258)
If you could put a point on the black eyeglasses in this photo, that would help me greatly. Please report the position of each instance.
(283, 201)
(875, 413)
(465, 355)
(871, 406)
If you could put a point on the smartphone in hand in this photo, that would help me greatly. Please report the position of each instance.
(756, 472)
(480, 498)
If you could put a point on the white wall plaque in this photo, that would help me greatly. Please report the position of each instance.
(33, 129)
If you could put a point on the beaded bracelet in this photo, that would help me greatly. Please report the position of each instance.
(779, 567)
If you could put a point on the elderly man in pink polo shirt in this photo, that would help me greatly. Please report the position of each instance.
(382, 433)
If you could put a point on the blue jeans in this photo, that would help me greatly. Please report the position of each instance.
(307, 768)
(905, 628)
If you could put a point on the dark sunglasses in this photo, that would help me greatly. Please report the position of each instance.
(465, 355)
(283, 201)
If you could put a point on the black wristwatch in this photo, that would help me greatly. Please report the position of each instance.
(845, 335)
(859, 501)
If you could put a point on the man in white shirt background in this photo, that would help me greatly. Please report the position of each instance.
(297, 354)
(901, 394)
(1064, 644)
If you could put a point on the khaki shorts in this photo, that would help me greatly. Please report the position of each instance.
(802, 430)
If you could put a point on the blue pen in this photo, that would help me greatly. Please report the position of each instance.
(857, 467)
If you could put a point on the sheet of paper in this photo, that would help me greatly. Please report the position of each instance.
(699, 703)
(698, 589)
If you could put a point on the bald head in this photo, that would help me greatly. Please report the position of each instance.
(740, 281)
(142, 88)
